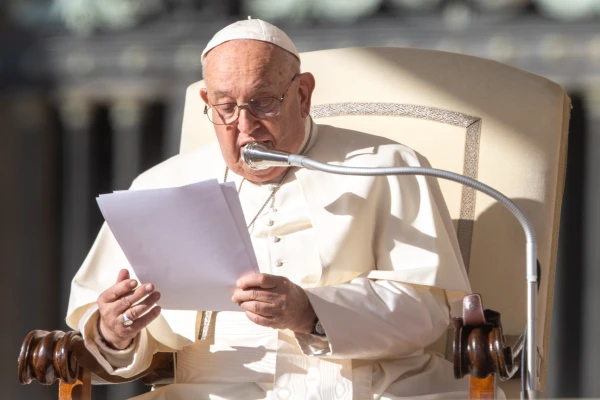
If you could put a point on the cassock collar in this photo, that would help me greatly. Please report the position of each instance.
(309, 126)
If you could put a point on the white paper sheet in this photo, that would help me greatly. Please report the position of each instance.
(191, 242)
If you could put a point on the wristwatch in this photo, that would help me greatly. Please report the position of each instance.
(318, 328)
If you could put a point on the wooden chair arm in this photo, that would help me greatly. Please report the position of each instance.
(479, 348)
(480, 351)
(51, 356)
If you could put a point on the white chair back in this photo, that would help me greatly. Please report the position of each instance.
(500, 125)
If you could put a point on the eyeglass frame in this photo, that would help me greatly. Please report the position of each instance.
(239, 107)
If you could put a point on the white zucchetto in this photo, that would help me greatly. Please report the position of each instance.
(252, 29)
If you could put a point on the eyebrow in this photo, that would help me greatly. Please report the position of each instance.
(219, 93)
(222, 94)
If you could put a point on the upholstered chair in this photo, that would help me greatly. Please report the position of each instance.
(488, 121)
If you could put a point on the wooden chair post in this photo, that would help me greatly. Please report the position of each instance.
(51, 356)
(482, 388)
(479, 349)
(80, 390)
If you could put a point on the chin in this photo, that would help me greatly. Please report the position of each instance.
(264, 175)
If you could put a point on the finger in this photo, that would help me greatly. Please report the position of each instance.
(125, 302)
(265, 281)
(145, 320)
(266, 310)
(254, 293)
(120, 334)
(138, 310)
(118, 290)
(123, 274)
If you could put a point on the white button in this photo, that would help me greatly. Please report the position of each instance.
(275, 239)
(279, 263)
(272, 187)
(269, 222)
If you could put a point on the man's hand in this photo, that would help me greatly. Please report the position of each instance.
(274, 301)
(120, 298)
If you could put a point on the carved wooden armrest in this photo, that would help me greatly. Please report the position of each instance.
(51, 356)
(479, 348)
(479, 343)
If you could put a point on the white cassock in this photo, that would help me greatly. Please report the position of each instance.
(377, 257)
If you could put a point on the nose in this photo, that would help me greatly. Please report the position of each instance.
(247, 122)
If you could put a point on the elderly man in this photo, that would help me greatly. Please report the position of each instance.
(356, 272)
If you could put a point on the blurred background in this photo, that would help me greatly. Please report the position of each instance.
(91, 94)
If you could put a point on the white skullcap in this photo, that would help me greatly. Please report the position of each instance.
(252, 29)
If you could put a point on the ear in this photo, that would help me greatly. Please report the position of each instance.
(204, 95)
(306, 88)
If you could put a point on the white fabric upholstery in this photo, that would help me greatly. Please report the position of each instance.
(498, 124)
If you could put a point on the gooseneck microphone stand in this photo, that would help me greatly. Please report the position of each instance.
(258, 156)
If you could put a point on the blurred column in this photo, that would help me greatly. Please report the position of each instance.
(78, 196)
(591, 275)
(126, 118)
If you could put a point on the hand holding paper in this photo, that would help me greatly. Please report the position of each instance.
(191, 242)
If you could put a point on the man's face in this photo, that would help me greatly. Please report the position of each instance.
(241, 70)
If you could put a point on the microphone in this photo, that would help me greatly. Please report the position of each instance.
(258, 156)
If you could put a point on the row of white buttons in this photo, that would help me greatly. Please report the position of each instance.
(270, 222)
(276, 239)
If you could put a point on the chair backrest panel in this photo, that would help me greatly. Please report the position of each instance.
(500, 125)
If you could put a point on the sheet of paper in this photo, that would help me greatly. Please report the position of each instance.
(235, 207)
(191, 242)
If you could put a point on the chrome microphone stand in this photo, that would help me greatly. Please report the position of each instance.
(258, 156)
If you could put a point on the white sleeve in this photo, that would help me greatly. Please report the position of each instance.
(367, 319)
(124, 363)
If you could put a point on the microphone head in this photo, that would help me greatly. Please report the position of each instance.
(259, 156)
(251, 154)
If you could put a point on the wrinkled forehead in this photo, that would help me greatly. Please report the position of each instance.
(250, 60)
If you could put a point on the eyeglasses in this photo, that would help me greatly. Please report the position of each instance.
(261, 108)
